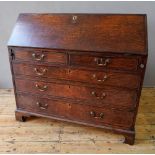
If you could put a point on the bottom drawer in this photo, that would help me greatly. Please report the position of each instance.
(75, 112)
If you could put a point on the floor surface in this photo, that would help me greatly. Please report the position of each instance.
(41, 135)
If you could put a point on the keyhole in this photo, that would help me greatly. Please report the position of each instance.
(69, 105)
(74, 19)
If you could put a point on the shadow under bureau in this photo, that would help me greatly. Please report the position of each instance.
(81, 68)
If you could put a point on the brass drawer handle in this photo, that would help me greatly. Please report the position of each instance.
(41, 71)
(94, 115)
(38, 57)
(103, 95)
(100, 80)
(102, 62)
(44, 88)
(42, 107)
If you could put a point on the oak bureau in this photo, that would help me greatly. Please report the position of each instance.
(81, 68)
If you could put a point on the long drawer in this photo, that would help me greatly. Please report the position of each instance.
(101, 78)
(113, 97)
(75, 112)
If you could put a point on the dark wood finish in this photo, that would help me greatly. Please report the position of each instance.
(100, 32)
(82, 68)
(104, 96)
(75, 111)
(122, 63)
(36, 55)
(21, 117)
(129, 138)
(102, 78)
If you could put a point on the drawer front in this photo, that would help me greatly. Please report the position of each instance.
(106, 96)
(75, 112)
(36, 55)
(92, 77)
(122, 63)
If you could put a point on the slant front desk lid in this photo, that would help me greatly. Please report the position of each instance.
(84, 32)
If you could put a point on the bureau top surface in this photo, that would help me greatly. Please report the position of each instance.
(120, 33)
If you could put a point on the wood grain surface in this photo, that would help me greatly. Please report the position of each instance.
(87, 32)
(97, 42)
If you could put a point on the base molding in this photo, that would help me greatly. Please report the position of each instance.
(21, 116)
(129, 135)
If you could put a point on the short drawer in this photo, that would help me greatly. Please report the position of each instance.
(122, 63)
(75, 112)
(38, 55)
(100, 78)
(113, 97)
